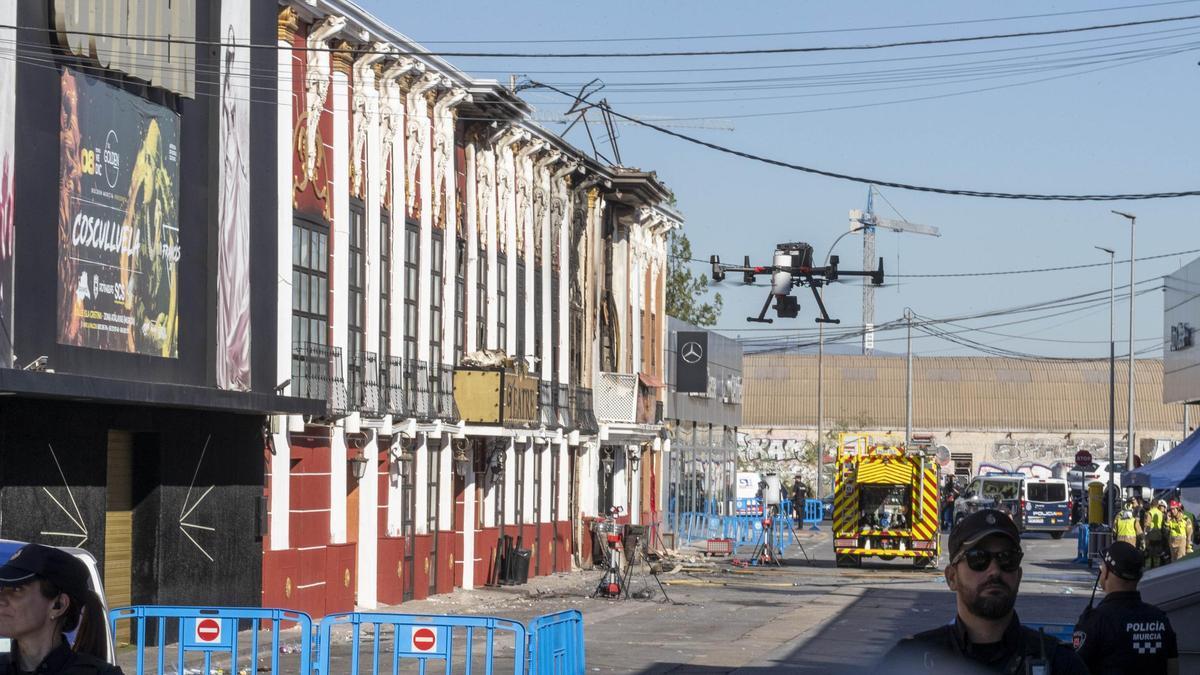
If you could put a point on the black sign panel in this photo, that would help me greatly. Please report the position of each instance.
(691, 362)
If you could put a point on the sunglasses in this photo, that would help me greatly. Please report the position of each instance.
(979, 560)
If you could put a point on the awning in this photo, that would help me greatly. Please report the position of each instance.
(649, 380)
(1179, 467)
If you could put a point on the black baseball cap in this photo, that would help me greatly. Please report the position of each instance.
(55, 565)
(983, 523)
(1124, 560)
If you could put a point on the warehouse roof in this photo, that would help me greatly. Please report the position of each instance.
(966, 393)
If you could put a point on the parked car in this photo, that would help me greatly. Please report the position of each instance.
(9, 547)
(1079, 479)
(998, 491)
(1046, 506)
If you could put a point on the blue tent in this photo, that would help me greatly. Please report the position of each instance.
(1179, 467)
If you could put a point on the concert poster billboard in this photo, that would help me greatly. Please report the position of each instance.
(118, 223)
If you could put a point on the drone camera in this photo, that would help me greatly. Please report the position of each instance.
(786, 306)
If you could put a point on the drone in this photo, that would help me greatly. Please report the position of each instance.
(792, 266)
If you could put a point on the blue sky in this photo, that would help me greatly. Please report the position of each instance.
(1127, 126)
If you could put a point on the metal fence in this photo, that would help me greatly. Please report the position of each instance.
(362, 384)
(317, 374)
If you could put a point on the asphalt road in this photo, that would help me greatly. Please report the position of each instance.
(720, 618)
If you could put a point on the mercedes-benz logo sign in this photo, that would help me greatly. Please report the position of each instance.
(692, 352)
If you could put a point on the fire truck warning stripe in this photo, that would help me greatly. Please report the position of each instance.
(888, 473)
(877, 551)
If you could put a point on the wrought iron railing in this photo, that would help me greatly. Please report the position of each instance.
(317, 374)
(583, 412)
(391, 375)
(546, 416)
(442, 392)
(362, 384)
(418, 390)
(562, 405)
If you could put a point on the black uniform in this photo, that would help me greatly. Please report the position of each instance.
(1125, 635)
(947, 649)
(61, 661)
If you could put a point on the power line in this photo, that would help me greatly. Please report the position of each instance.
(826, 31)
(888, 183)
(650, 54)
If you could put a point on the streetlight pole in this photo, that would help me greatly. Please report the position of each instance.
(1112, 378)
(908, 387)
(820, 396)
(1132, 262)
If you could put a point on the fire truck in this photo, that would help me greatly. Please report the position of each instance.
(885, 502)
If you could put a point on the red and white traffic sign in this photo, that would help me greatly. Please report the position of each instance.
(424, 639)
(208, 631)
(1083, 458)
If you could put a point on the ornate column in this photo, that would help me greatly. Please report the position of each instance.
(420, 160)
(445, 123)
(342, 63)
(393, 120)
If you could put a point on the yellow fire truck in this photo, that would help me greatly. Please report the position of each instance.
(885, 502)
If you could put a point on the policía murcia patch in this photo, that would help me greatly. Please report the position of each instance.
(1077, 639)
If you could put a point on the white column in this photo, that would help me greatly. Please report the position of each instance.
(337, 486)
(399, 208)
(368, 530)
(283, 196)
(421, 486)
(395, 499)
(372, 200)
(490, 484)
(510, 482)
(531, 320)
(564, 480)
(527, 479)
(564, 290)
(635, 490)
(509, 233)
(446, 482)
(468, 530)
(589, 467)
(546, 319)
(420, 111)
(471, 203)
(281, 491)
(546, 480)
(339, 230)
(636, 303)
(490, 220)
(620, 490)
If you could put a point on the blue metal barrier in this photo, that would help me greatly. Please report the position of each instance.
(556, 644)
(1062, 631)
(1081, 551)
(421, 638)
(210, 636)
(814, 513)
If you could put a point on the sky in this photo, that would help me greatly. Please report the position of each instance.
(1114, 112)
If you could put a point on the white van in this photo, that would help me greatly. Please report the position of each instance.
(1046, 506)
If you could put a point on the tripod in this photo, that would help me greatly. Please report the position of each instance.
(764, 551)
(613, 581)
(639, 552)
(796, 534)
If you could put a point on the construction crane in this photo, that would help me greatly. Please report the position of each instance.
(866, 223)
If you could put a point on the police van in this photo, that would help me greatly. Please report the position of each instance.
(1046, 506)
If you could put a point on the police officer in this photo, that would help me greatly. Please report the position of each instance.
(1126, 526)
(986, 635)
(1124, 634)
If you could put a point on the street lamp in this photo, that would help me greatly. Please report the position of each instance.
(1132, 255)
(1112, 379)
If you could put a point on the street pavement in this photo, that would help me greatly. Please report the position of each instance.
(720, 618)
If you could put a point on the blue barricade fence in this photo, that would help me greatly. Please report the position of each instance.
(211, 637)
(556, 644)
(814, 511)
(745, 530)
(456, 643)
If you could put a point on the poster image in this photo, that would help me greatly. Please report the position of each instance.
(233, 266)
(8, 102)
(118, 220)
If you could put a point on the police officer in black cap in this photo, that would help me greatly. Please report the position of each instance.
(986, 636)
(1124, 634)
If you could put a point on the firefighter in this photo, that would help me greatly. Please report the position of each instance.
(1155, 539)
(1124, 634)
(986, 635)
(1126, 526)
(1179, 532)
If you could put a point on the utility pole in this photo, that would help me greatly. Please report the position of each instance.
(908, 385)
(820, 397)
(1112, 379)
(1132, 263)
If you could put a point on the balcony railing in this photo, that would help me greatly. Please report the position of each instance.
(418, 390)
(441, 380)
(562, 405)
(582, 411)
(616, 397)
(317, 374)
(362, 384)
(395, 399)
(546, 416)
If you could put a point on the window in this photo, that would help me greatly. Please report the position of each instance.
(521, 291)
(356, 289)
(437, 265)
(385, 287)
(460, 299)
(310, 303)
(519, 483)
(481, 307)
(1047, 492)
(412, 259)
(502, 302)
(555, 332)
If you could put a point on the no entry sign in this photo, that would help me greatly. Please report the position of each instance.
(424, 639)
(208, 633)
